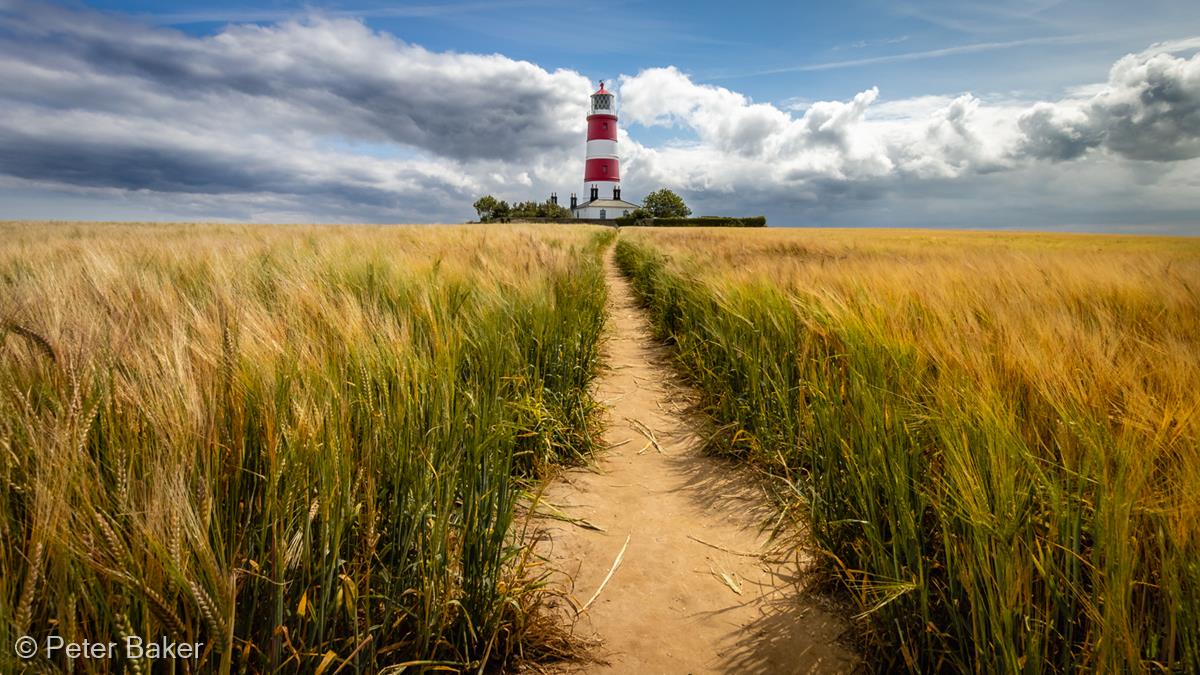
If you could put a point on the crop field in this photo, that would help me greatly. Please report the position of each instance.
(994, 439)
(314, 448)
(303, 447)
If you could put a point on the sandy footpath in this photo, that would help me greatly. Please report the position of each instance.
(696, 590)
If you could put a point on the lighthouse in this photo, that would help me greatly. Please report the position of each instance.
(601, 169)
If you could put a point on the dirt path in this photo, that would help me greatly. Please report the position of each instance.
(695, 591)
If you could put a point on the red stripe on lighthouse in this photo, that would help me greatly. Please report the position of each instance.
(602, 127)
(600, 169)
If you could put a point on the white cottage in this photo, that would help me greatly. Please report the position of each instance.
(602, 209)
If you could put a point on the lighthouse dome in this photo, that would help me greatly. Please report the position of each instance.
(602, 101)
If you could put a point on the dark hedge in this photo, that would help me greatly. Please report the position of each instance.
(701, 221)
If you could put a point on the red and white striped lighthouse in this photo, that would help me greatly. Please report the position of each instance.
(602, 171)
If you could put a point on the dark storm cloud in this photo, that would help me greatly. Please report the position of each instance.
(332, 75)
(1154, 110)
(87, 151)
(1046, 135)
(1149, 110)
(94, 101)
(91, 163)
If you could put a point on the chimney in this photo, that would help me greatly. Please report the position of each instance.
(595, 193)
(554, 198)
(616, 192)
(573, 200)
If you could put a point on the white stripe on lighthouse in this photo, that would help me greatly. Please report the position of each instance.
(601, 148)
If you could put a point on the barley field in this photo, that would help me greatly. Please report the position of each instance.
(993, 439)
(301, 446)
(312, 449)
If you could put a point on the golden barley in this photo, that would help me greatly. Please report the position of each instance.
(995, 437)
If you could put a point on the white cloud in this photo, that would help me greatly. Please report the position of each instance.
(830, 151)
(92, 101)
(746, 145)
(1148, 110)
(324, 118)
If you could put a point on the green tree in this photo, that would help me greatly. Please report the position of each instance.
(666, 204)
(502, 211)
(525, 209)
(485, 206)
(490, 209)
(549, 209)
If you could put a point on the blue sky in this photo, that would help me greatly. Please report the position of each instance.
(769, 51)
(933, 111)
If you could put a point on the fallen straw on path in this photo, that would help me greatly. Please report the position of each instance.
(727, 550)
(726, 578)
(611, 571)
(554, 513)
(644, 430)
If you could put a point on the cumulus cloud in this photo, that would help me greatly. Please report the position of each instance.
(1057, 132)
(95, 101)
(316, 118)
(1148, 110)
(319, 75)
(835, 152)
(832, 150)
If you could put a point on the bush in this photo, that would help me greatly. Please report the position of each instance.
(701, 221)
(664, 203)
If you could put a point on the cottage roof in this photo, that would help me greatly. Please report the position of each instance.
(608, 204)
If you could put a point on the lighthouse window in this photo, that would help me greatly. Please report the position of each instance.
(604, 168)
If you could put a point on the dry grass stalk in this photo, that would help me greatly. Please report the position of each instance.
(607, 577)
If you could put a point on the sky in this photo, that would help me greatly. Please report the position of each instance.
(1018, 114)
